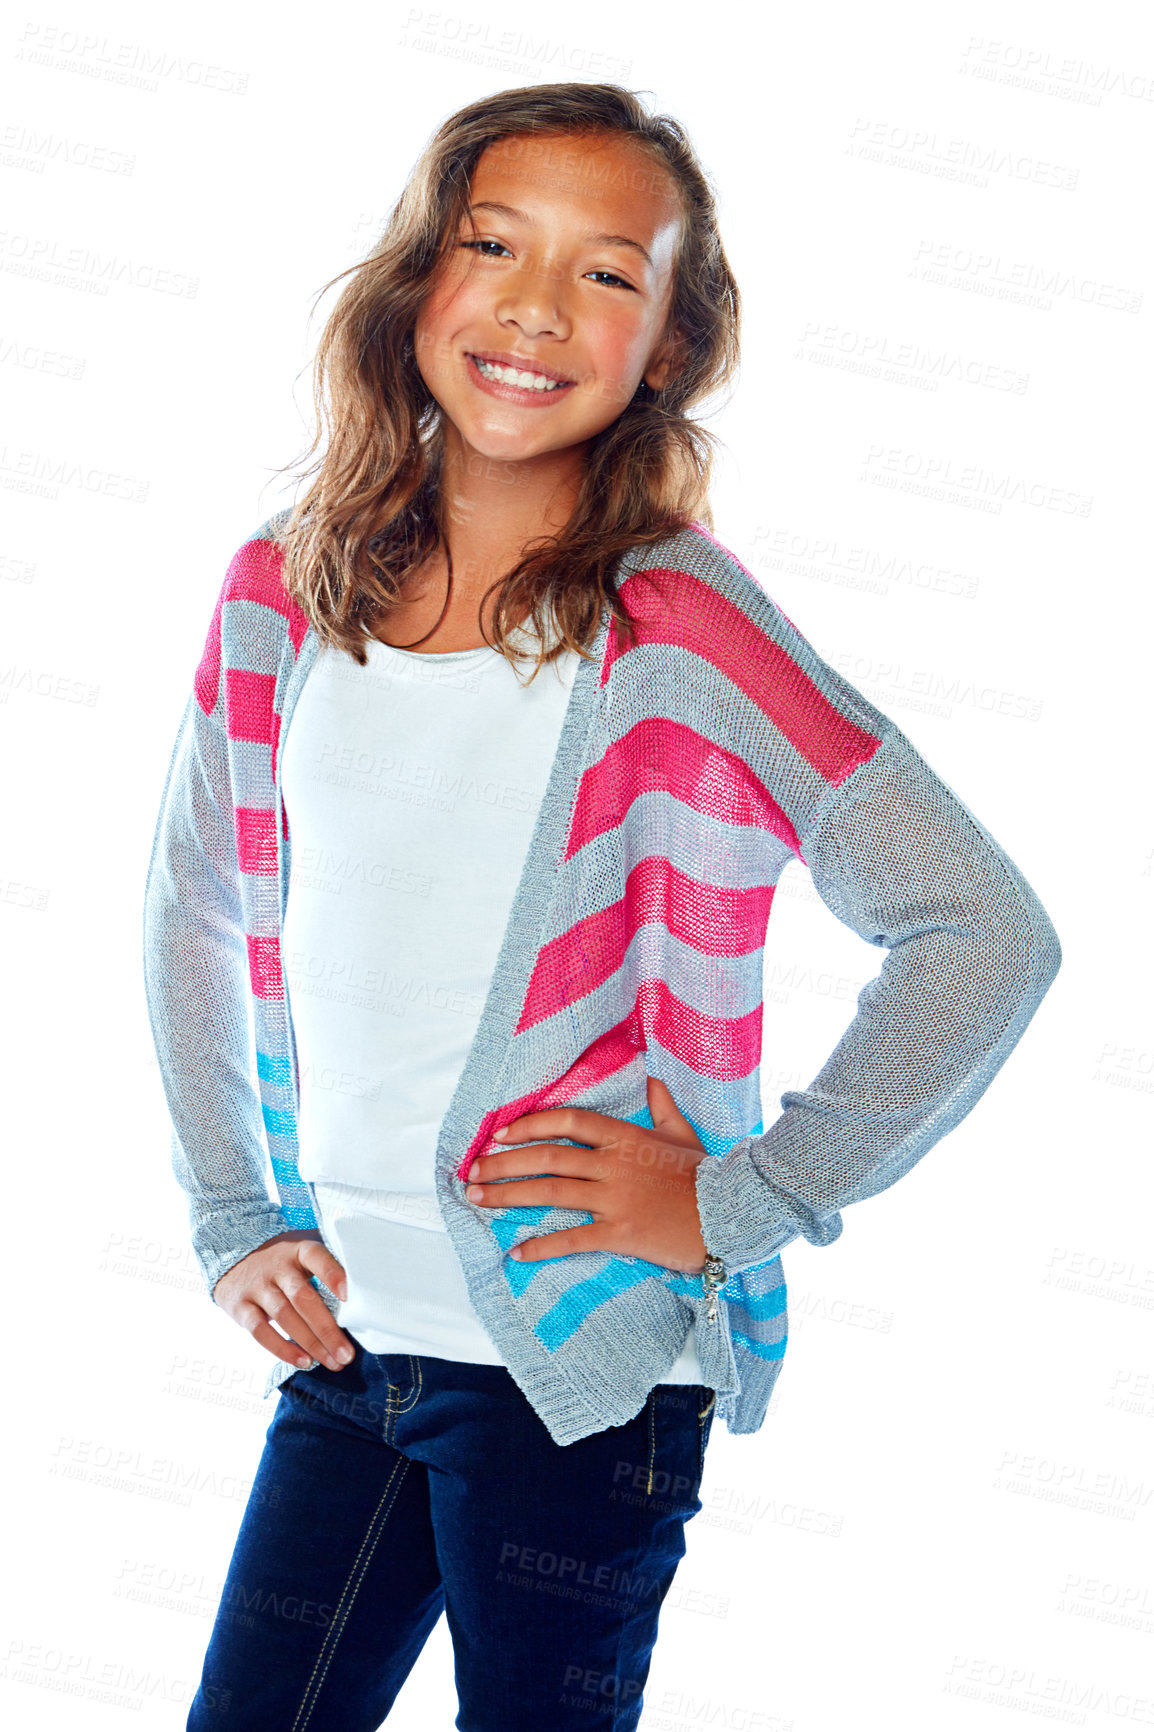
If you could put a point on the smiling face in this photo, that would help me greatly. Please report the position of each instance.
(549, 308)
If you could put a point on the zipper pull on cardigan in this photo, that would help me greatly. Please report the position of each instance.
(714, 1278)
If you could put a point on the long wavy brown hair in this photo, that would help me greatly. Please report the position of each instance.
(372, 515)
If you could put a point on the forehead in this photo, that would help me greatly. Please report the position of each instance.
(607, 181)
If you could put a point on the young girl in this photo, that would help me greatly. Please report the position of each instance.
(493, 759)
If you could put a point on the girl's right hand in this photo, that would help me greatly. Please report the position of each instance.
(272, 1284)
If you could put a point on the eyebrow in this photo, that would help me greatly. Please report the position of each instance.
(508, 210)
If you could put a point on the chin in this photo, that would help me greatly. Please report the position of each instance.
(504, 445)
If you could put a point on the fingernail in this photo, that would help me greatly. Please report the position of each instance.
(344, 1354)
(473, 1192)
(475, 1170)
(303, 1364)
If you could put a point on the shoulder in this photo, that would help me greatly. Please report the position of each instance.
(693, 570)
(691, 589)
(254, 572)
(254, 598)
(253, 613)
(736, 650)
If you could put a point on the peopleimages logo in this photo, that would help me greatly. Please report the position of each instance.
(1023, 281)
(48, 259)
(132, 64)
(923, 150)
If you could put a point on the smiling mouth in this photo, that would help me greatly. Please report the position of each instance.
(518, 378)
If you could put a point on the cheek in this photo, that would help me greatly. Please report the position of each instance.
(446, 309)
(619, 348)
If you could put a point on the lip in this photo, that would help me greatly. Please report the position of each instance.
(519, 396)
(499, 358)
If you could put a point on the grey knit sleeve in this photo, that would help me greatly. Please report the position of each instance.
(196, 977)
(897, 857)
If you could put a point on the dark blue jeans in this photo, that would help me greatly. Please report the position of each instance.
(401, 1487)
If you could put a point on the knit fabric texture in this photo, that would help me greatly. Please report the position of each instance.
(692, 767)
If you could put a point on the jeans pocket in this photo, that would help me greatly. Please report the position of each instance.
(705, 1416)
(679, 1415)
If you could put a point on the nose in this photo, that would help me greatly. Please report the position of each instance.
(532, 297)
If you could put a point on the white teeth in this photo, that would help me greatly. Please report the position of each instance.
(512, 376)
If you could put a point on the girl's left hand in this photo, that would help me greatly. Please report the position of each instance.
(638, 1184)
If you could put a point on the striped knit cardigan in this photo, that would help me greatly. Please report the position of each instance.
(691, 768)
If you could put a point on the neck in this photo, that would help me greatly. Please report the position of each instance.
(493, 507)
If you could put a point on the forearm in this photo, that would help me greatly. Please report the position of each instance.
(971, 953)
(196, 985)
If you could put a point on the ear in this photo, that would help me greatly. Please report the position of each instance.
(664, 360)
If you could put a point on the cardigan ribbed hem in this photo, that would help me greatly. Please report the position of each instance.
(732, 1200)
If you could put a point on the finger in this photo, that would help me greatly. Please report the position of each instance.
(251, 1315)
(291, 1351)
(563, 1244)
(337, 1348)
(666, 1116)
(294, 1305)
(540, 1158)
(319, 1261)
(549, 1192)
(333, 1346)
(580, 1123)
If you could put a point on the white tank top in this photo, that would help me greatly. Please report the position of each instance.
(412, 787)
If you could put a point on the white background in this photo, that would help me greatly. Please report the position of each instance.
(946, 1520)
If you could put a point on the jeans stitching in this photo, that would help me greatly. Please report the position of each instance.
(342, 1612)
(702, 1435)
(652, 1440)
(404, 1407)
(642, 1553)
